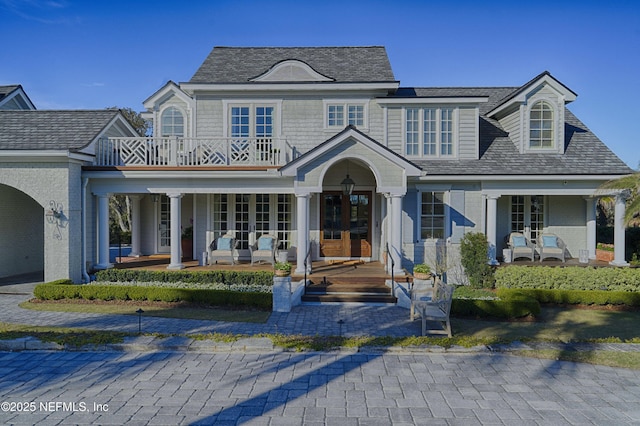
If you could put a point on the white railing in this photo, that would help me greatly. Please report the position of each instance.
(175, 151)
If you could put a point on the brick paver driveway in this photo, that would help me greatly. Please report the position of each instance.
(172, 388)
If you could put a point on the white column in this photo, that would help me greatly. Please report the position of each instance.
(492, 219)
(396, 233)
(591, 226)
(135, 225)
(302, 201)
(103, 232)
(618, 230)
(176, 231)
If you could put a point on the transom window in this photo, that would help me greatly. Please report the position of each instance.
(432, 215)
(541, 126)
(429, 132)
(340, 115)
(172, 122)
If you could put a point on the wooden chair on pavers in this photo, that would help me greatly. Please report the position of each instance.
(437, 310)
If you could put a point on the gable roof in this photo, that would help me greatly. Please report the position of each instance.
(342, 64)
(15, 91)
(52, 130)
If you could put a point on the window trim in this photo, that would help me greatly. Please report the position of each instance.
(554, 136)
(184, 121)
(437, 131)
(345, 104)
(447, 213)
(252, 105)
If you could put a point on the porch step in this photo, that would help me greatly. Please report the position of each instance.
(349, 290)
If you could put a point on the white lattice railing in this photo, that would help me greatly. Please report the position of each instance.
(174, 151)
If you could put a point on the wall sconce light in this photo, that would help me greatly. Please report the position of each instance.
(55, 216)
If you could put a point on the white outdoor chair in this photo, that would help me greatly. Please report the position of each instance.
(521, 246)
(437, 310)
(264, 249)
(551, 246)
(221, 248)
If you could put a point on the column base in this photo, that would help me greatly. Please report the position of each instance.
(175, 266)
(618, 263)
(132, 254)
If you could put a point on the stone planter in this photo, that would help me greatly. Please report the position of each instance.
(281, 273)
(604, 255)
(421, 276)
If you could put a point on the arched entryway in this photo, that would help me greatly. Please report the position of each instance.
(347, 217)
(22, 231)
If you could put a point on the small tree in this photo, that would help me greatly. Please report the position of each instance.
(474, 249)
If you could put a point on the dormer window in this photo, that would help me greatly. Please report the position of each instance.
(541, 126)
(429, 132)
(172, 122)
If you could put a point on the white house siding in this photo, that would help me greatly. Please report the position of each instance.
(302, 123)
(567, 219)
(395, 129)
(468, 133)
(149, 226)
(512, 125)
(503, 225)
(61, 183)
(209, 118)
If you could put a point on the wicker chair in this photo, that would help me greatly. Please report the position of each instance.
(551, 246)
(521, 246)
(221, 248)
(264, 249)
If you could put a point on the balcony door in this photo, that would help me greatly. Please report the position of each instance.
(346, 225)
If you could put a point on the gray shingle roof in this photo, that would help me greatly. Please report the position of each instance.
(343, 64)
(52, 130)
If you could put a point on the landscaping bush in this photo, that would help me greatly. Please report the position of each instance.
(474, 248)
(512, 305)
(52, 291)
(201, 277)
(577, 297)
(568, 278)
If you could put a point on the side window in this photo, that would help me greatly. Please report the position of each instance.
(172, 122)
(541, 126)
(432, 215)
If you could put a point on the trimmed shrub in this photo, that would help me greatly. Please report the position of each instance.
(513, 305)
(568, 278)
(576, 297)
(51, 291)
(200, 277)
(474, 249)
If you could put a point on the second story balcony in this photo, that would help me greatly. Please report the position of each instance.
(193, 152)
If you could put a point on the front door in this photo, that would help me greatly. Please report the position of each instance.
(346, 225)
(164, 225)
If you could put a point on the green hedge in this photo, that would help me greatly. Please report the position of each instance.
(568, 278)
(201, 277)
(578, 297)
(53, 291)
(515, 304)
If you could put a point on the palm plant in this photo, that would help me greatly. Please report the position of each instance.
(631, 183)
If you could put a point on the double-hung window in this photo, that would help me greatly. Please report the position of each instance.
(541, 125)
(429, 132)
(432, 215)
(340, 114)
(172, 122)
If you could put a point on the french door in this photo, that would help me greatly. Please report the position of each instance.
(346, 224)
(164, 225)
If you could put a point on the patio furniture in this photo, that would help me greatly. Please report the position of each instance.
(521, 246)
(422, 291)
(264, 249)
(551, 246)
(221, 248)
(437, 310)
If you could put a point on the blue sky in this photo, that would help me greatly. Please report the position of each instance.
(76, 54)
